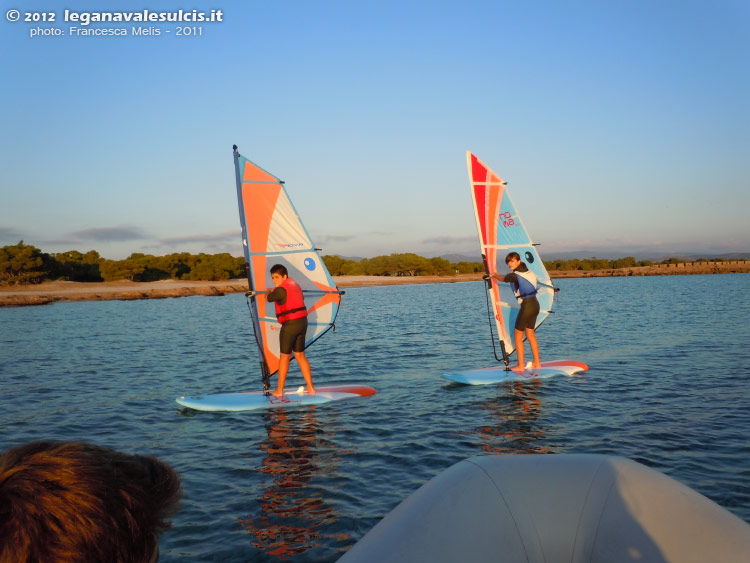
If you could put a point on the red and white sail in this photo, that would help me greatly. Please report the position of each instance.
(501, 231)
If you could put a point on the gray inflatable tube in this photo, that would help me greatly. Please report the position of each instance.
(554, 508)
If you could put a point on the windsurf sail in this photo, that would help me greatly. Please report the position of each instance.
(273, 233)
(501, 231)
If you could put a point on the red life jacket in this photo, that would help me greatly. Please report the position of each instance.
(294, 307)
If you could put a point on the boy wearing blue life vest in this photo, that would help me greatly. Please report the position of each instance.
(292, 314)
(523, 281)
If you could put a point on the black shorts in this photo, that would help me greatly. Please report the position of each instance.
(292, 337)
(529, 312)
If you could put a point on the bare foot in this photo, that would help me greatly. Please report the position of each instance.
(517, 368)
(311, 391)
(278, 394)
(537, 366)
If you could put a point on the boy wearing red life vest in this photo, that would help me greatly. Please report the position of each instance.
(292, 314)
(523, 281)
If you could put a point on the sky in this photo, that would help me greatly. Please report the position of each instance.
(621, 127)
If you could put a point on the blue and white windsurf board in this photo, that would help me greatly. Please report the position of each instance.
(498, 374)
(254, 400)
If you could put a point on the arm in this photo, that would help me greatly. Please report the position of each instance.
(276, 294)
(507, 278)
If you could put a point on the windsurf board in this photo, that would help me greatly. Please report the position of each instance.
(498, 374)
(254, 400)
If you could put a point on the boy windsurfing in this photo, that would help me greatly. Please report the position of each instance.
(292, 314)
(524, 284)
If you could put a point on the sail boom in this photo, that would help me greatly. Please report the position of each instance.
(313, 292)
(503, 246)
(321, 291)
(282, 252)
(273, 320)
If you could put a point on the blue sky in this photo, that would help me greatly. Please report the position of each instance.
(619, 126)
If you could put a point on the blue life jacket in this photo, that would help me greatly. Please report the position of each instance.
(525, 284)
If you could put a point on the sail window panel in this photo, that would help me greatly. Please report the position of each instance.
(319, 321)
(286, 232)
(308, 270)
(510, 230)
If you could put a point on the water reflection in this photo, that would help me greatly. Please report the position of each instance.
(515, 413)
(293, 510)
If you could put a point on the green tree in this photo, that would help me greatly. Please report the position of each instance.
(600, 264)
(627, 262)
(352, 268)
(128, 269)
(469, 267)
(23, 263)
(215, 267)
(377, 266)
(334, 264)
(75, 266)
(408, 264)
(441, 266)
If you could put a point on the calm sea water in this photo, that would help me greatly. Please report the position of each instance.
(669, 386)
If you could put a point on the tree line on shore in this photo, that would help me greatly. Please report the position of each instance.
(22, 263)
(407, 264)
(415, 265)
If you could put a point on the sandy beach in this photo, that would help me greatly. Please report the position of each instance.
(51, 292)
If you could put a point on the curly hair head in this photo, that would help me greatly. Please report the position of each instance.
(73, 501)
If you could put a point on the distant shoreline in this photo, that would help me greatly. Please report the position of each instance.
(62, 291)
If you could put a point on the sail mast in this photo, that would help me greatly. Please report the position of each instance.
(251, 294)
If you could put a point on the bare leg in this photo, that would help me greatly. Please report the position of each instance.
(518, 336)
(304, 367)
(531, 337)
(284, 360)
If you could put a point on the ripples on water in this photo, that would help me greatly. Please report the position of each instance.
(669, 386)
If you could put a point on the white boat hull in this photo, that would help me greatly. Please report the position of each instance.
(541, 508)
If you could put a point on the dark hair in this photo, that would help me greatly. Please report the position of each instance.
(73, 501)
(511, 256)
(279, 269)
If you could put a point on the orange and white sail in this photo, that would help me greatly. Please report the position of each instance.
(273, 233)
